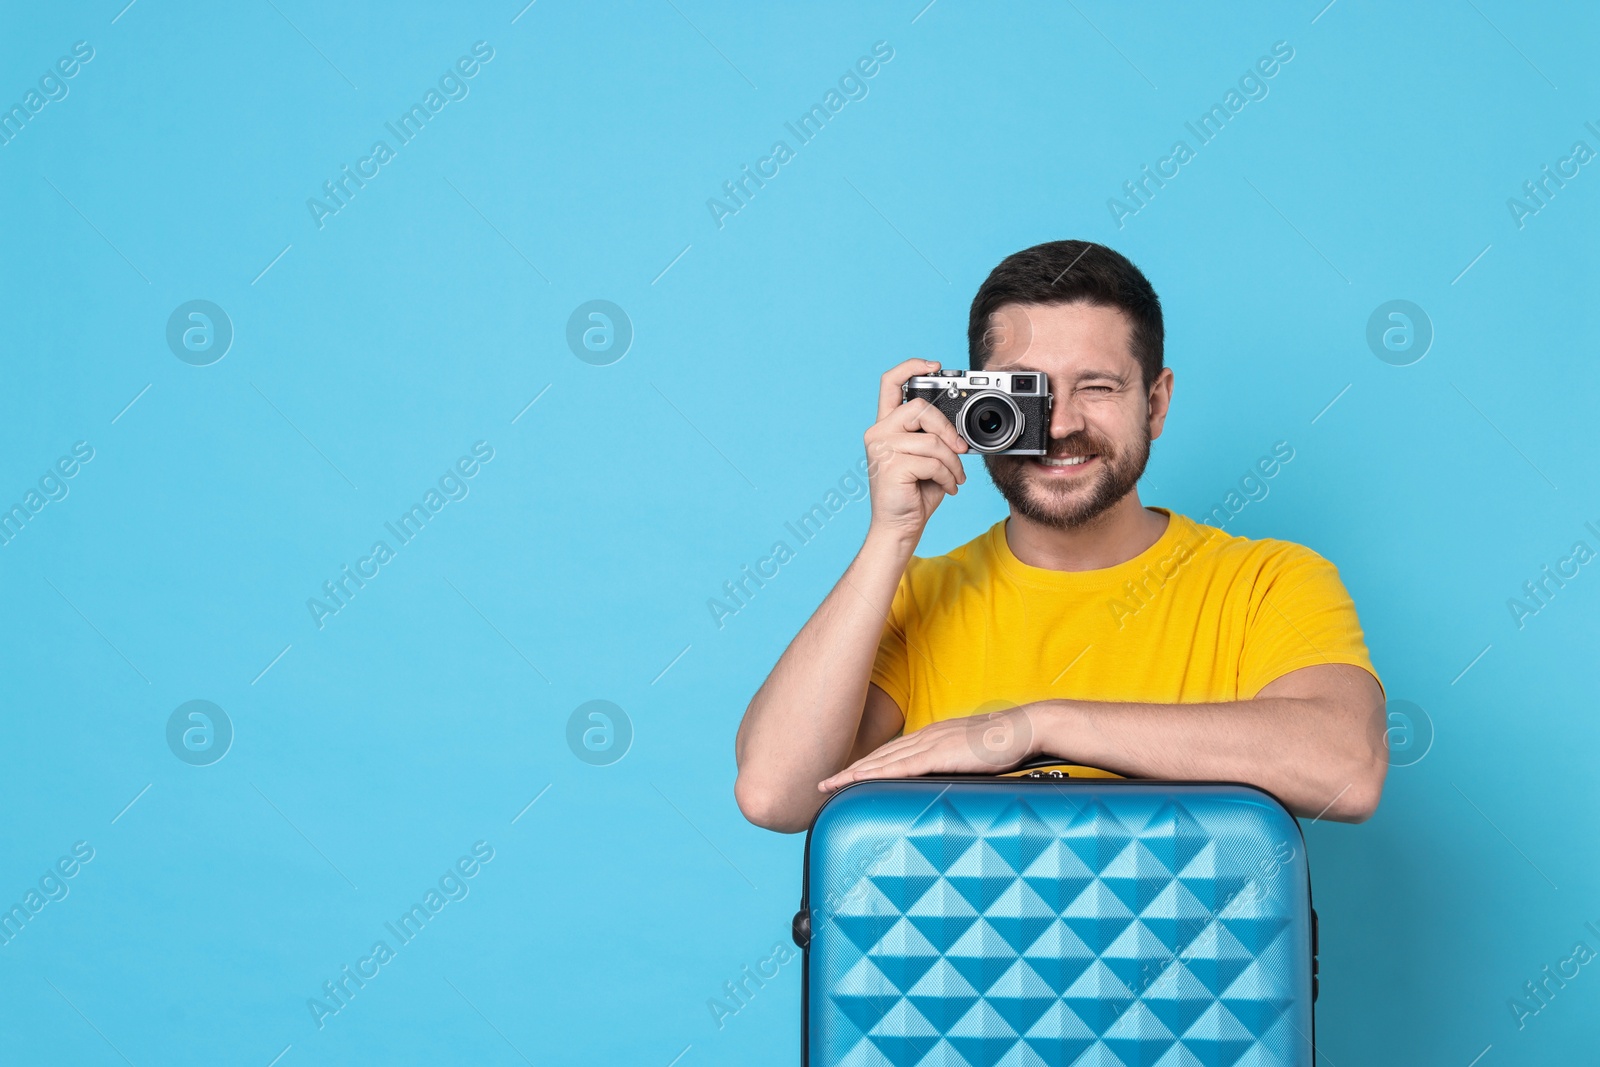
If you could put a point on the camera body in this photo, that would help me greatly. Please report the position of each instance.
(998, 413)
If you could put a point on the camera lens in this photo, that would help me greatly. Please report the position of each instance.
(990, 421)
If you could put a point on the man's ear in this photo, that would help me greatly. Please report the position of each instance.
(1159, 400)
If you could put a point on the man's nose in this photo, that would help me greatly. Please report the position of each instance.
(1065, 418)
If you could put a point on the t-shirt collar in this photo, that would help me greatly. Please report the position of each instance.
(1178, 528)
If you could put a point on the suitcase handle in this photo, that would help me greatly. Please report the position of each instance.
(1042, 761)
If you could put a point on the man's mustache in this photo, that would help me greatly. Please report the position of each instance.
(1078, 444)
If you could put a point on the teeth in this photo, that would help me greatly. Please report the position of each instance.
(1068, 461)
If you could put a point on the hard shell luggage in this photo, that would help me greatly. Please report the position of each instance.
(1042, 920)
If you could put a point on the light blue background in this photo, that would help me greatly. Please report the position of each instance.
(377, 349)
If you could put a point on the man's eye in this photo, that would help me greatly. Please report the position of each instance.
(1098, 389)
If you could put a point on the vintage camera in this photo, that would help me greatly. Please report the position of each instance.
(1001, 413)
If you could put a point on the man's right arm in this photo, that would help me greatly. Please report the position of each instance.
(816, 713)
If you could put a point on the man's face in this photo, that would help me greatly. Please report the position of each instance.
(1103, 418)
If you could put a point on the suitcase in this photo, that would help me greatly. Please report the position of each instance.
(1038, 919)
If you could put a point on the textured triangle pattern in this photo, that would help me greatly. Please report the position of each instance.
(1058, 923)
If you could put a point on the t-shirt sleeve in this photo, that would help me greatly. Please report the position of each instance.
(1301, 616)
(891, 669)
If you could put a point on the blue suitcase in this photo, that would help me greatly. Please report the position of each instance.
(1023, 921)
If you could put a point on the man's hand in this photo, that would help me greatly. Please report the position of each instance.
(913, 456)
(974, 744)
(1313, 738)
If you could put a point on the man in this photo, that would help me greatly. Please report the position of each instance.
(1123, 638)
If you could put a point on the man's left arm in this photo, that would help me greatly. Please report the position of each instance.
(1313, 737)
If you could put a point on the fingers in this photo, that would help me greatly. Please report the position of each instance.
(924, 469)
(896, 376)
(893, 465)
(889, 750)
(918, 414)
(921, 444)
(906, 767)
(870, 765)
(917, 429)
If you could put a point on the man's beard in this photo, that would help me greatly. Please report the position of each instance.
(1078, 501)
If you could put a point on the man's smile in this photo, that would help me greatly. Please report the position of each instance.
(1065, 466)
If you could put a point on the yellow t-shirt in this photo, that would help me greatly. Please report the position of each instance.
(1201, 616)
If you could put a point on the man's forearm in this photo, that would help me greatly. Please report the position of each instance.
(802, 723)
(1321, 758)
